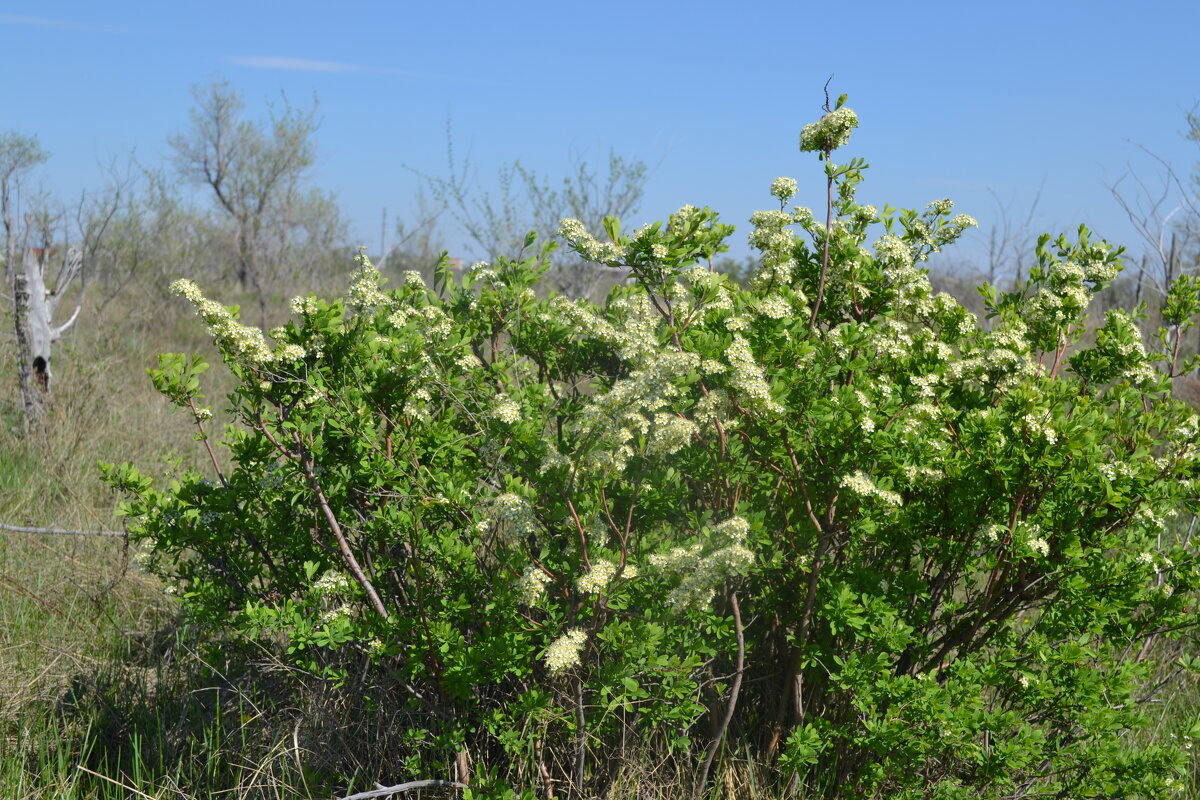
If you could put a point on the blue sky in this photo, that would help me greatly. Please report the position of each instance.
(955, 99)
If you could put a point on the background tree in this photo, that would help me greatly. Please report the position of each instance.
(18, 155)
(257, 175)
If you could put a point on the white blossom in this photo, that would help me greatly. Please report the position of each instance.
(563, 652)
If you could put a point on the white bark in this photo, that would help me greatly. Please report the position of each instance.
(36, 332)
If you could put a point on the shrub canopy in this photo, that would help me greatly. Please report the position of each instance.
(827, 518)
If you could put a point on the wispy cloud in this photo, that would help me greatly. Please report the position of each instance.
(59, 24)
(296, 64)
(315, 65)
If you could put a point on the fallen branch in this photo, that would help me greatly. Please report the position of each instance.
(402, 787)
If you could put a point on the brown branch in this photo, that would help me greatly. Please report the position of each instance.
(812, 322)
(306, 463)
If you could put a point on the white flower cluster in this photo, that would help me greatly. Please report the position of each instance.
(1029, 534)
(596, 579)
(417, 404)
(942, 206)
(143, 560)
(586, 245)
(434, 323)
(713, 406)
(892, 252)
(1039, 546)
(480, 270)
(736, 528)
(334, 614)
(438, 323)
(784, 188)
(516, 514)
(613, 420)
(775, 307)
(914, 473)
(964, 221)
(1148, 516)
(400, 317)
(633, 336)
(670, 433)
(1004, 357)
(245, 343)
(532, 584)
(748, 380)
(863, 486)
(924, 384)
(891, 341)
(563, 652)
(912, 287)
(290, 352)
(829, 132)
(699, 277)
(507, 411)
(1039, 428)
(702, 573)
(364, 294)
(304, 306)
(679, 222)
(771, 237)
(332, 583)
(866, 214)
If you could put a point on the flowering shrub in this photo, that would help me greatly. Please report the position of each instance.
(829, 516)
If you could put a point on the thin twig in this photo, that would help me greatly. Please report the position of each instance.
(207, 445)
(124, 786)
(581, 738)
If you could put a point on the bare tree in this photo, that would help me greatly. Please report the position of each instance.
(1163, 211)
(257, 177)
(1011, 242)
(498, 221)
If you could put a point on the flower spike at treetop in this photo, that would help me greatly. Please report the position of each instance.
(829, 132)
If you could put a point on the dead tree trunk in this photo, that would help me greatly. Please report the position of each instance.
(33, 314)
